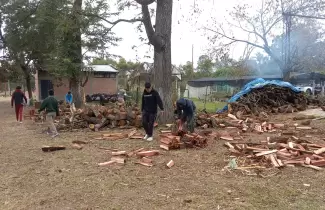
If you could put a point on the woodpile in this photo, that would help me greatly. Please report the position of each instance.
(284, 152)
(170, 141)
(96, 117)
(270, 99)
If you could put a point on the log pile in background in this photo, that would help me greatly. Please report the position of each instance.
(270, 99)
(97, 117)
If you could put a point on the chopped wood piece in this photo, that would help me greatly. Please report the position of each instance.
(319, 151)
(320, 163)
(136, 137)
(107, 163)
(308, 160)
(266, 153)
(227, 138)
(290, 144)
(229, 145)
(164, 146)
(144, 164)
(146, 160)
(52, 148)
(77, 146)
(119, 153)
(135, 152)
(170, 164)
(274, 160)
(279, 125)
(118, 160)
(148, 153)
(232, 116)
(304, 128)
(165, 131)
(132, 133)
(313, 167)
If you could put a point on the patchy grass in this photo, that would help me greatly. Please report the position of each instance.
(209, 106)
(71, 179)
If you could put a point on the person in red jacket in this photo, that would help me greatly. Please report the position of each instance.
(18, 97)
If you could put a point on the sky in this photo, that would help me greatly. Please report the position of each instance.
(185, 32)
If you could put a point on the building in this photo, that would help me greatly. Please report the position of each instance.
(101, 79)
(199, 88)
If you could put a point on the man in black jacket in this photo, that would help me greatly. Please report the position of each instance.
(150, 101)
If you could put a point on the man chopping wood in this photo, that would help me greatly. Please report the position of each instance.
(51, 106)
(150, 100)
(185, 110)
(18, 97)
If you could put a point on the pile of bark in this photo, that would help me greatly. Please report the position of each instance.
(279, 152)
(270, 99)
(96, 117)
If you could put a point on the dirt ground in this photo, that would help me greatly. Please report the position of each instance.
(71, 179)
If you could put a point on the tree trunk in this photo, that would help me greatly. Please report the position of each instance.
(162, 59)
(28, 80)
(75, 54)
(75, 90)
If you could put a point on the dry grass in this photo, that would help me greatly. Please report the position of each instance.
(71, 179)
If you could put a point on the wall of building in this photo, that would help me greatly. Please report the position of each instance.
(94, 85)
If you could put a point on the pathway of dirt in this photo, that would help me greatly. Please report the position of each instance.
(71, 179)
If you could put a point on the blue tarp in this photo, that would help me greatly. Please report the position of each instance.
(258, 83)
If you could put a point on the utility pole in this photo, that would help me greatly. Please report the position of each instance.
(193, 57)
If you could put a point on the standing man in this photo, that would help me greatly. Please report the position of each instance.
(185, 109)
(51, 106)
(150, 101)
(18, 97)
(69, 98)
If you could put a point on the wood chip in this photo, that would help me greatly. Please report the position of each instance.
(170, 164)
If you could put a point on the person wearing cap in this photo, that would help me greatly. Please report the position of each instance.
(150, 100)
(69, 98)
(18, 98)
(185, 110)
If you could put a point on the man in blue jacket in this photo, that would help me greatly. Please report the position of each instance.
(69, 98)
(185, 110)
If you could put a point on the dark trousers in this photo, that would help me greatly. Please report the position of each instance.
(148, 120)
(19, 112)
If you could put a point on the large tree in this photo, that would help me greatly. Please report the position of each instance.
(18, 34)
(262, 24)
(159, 36)
(81, 26)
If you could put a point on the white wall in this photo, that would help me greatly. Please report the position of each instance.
(196, 92)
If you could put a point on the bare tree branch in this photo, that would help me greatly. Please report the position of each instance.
(113, 23)
(145, 2)
(234, 39)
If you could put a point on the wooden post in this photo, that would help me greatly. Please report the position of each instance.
(323, 88)
(314, 85)
(205, 98)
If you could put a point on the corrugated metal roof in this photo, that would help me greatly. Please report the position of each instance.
(102, 68)
(221, 79)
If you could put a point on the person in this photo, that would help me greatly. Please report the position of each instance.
(18, 97)
(150, 100)
(185, 110)
(69, 98)
(51, 106)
